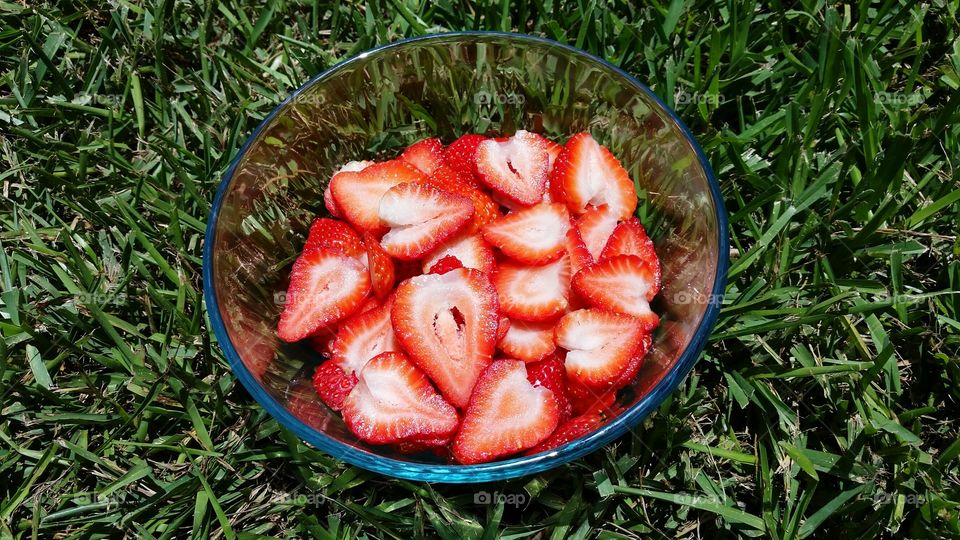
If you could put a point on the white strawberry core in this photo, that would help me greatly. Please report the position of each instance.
(520, 157)
(516, 403)
(329, 282)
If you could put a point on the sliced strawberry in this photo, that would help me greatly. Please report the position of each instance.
(358, 194)
(324, 287)
(335, 235)
(587, 174)
(570, 430)
(584, 399)
(394, 401)
(470, 249)
(553, 152)
(577, 250)
(448, 325)
(350, 166)
(502, 328)
(630, 238)
(533, 293)
(595, 227)
(528, 341)
(462, 154)
(420, 217)
(363, 336)
(600, 345)
(425, 155)
(382, 271)
(507, 414)
(551, 373)
(516, 168)
(534, 235)
(623, 284)
(333, 384)
(445, 264)
(449, 179)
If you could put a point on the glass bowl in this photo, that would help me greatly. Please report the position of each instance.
(371, 107)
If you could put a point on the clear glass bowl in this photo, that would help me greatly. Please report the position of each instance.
(375, 104)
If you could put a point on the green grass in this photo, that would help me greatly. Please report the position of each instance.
(825, 405)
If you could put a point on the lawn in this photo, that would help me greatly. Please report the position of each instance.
(825, 404)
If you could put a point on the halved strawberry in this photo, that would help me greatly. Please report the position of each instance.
(623, 284)
(507, 414)
(358, 194)
(425, 155)
(515, 168)
(577, 250)
(333, 384)
(630, 238)
(446, 264)
(528, 341)
(420, 217)
(595, 227)
(449, 179)
(448, 325)
(553, 152)
(534, 235)
(533, 293)
(350, 166)
(551, 373)
(334, 235)
(600, 345)
(325, 287)
(363, 336)
(587, 174)
(568, 431)
(470, 249)
(383, 274)
(394, 401)
(462, 154)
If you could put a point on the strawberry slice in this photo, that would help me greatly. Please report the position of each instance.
(515, 168)
(358, 194)
(528, 341)
(425, 155)
(350, 166)
(534, 235)
(630, 238)
(507, 414)
(587, 174)
(600, 345)
(363, 336)
(585, 398)
(383, 274)
(325, 287)
(334, 235)
(470, 249)
(551, 373)
(553, 152)
(595, 227)
(449, 179)
(533, 293)
(445, 264)
(420, 217)
(333, 384)
(623, 284)
(577, 250)
(502, 328)
(394, 401)
(448, 325)
(570, 430)
(462, 154)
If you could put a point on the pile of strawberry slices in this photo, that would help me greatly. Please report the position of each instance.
(478, 300)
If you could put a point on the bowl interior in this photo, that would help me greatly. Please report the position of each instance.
(373, 106)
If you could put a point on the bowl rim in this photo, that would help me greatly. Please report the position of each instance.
(496, 470)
